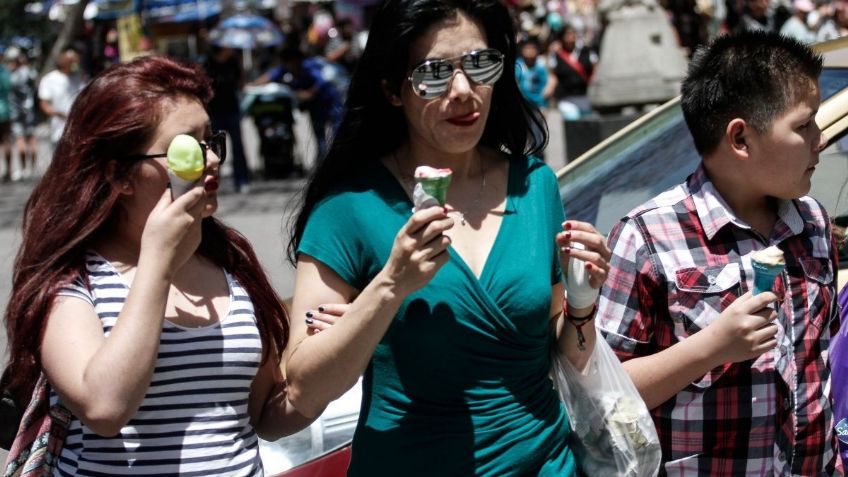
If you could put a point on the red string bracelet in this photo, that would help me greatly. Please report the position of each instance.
(578, 323)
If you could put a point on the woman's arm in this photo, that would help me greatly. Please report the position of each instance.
(103, 380)
(271, 413)
(320, 367)
(566, 332)
(575, 327)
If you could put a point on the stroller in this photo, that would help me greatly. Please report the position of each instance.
(271, 106)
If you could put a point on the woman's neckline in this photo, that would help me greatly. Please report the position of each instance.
(126, 284)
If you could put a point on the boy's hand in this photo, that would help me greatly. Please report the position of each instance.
(744, 330)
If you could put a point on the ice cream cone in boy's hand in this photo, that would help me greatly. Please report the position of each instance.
(767, 263)
(431, 186)
(185, 164)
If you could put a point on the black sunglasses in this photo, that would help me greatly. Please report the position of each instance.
(431, 78)
(217, 142)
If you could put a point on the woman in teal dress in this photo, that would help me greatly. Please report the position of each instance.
(452, 310)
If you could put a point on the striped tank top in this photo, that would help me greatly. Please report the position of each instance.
(193, 420)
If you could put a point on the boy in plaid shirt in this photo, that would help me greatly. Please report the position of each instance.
(736, 382)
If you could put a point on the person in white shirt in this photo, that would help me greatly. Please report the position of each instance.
(798, 26)
(57, 91)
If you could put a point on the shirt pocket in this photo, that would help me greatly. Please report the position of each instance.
(701, 293)
(818, 277)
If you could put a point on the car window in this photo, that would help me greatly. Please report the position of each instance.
(830, 185)
(832, 81)
(645, 162)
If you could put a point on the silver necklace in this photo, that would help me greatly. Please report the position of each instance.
(411, 185)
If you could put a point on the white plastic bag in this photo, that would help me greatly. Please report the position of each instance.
(612, 430)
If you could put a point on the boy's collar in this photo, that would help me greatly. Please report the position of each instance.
(714, 213)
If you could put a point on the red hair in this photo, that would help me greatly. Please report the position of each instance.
(115, 116)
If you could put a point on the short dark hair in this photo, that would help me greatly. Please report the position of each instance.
(753, 75)
(530, 40)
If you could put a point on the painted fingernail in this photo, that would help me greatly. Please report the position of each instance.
(309, 314)
(588, 266)
(568, 226)
(568, 235)
(445, 209)
(321, 309)
(309, 321)
(566, 249)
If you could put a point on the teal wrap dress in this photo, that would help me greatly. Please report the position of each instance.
(459, 384)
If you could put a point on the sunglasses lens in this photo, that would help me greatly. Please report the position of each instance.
(483, 67)
(218, 144)
(430, 79)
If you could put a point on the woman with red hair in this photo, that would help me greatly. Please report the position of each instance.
(153, 322)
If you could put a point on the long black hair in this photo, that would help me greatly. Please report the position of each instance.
(372, 127)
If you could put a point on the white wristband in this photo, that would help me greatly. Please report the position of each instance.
(578, 291)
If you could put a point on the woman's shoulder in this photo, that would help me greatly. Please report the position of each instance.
(361, 184)
(355, 198)
(99, 274)
(532, 168)
(350, 192)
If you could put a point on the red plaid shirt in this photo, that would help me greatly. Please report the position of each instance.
(678, 261)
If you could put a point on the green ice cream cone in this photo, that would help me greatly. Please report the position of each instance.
(436, 187)
(764, 276)
(434, 182)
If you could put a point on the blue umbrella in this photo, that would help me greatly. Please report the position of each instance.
(246, 31)
(113, 9)
(180, 11)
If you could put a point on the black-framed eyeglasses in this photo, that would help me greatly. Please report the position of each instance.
(431, 78)
(217, 142)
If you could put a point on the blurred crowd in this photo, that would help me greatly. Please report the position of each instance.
(561, 39)
(560, 47)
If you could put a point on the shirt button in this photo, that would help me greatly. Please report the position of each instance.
(786, 403)
(781, 456)
(711, 279)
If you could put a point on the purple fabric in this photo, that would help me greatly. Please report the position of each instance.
(839, 376)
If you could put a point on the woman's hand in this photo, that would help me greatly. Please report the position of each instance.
(419, 250)
(584, 257)
(594, 254)
(324, 317)
(172, 231)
